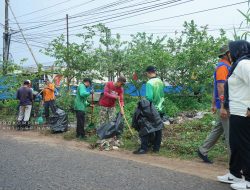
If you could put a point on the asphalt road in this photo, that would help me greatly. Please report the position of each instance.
(33, 166)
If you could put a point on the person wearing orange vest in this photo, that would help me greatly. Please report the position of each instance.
(222, 124)
(49, 99)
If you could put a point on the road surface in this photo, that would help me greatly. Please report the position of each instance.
(33, 166)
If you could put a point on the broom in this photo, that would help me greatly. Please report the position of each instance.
(126, 121)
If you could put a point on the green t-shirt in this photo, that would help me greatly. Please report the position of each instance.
(81, 98)
(155, 93)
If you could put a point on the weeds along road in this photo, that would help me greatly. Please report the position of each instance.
(29, 166)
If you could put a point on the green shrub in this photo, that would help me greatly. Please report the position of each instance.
(9, 106)
(65, 101)
(171, 108)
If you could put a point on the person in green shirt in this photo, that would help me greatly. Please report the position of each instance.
(154, 94)
(80, 106)
(155, 89)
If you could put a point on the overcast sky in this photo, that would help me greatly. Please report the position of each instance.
(31, 13)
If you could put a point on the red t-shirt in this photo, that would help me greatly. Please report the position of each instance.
(110, 93)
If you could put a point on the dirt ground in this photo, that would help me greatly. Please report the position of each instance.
(194, 167)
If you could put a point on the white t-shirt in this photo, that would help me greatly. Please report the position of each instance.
(239, 89)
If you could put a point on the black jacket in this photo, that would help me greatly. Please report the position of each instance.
(146, 118)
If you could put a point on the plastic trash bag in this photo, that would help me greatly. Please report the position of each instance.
(59, 121)
(113, 128)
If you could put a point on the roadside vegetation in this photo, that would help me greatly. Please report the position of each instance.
(185, 61)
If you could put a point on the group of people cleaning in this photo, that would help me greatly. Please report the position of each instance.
(113, 91)
(26, 96)
(231, 102)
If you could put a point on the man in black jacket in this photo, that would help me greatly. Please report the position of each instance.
(148, 120)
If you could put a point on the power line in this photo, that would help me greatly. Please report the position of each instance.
(173, 17)
(196, 12)
(187, 14)
(76, 15)
(32, 40)
(124, 13)
(20, 42)
(73, 17)
(22, 34)
(39, 10)
(111, 18)
(120, 14)
(63, 10)
(113, 10)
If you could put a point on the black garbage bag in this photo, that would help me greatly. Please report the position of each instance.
(113, 128)
(146, 119)
(59, 121)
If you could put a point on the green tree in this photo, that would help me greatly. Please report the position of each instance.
(75, 60)
(194, 55)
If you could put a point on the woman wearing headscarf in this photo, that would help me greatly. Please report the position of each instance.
(237, 98)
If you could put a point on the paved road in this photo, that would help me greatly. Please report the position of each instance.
(31, 166)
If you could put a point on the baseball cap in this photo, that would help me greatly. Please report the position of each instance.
(223, 50)
(151, 69)
(87, 80)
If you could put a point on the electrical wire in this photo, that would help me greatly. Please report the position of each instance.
(46, 8)
(98, 21)
(177, 16)
(116, 15)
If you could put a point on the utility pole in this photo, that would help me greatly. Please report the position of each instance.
(6, 38)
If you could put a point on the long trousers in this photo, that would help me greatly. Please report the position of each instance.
(240, 146)
(24, 113)
(49, 104)
(222, 126)
(80, 122)
(156, 140)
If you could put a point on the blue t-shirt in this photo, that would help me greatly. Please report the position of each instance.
(220, 76)
(24, 95)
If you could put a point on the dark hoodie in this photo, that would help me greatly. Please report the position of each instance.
(239, 50)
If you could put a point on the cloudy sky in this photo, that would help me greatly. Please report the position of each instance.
(42, 21)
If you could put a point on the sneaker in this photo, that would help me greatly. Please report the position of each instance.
(229, 178)
(241, 186)
(203, 157)
(140, 151)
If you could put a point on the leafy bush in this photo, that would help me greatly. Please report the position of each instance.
(65, 100)
(9, 106)
(171, 108)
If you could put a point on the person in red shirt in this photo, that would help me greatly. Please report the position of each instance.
(112, 91)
